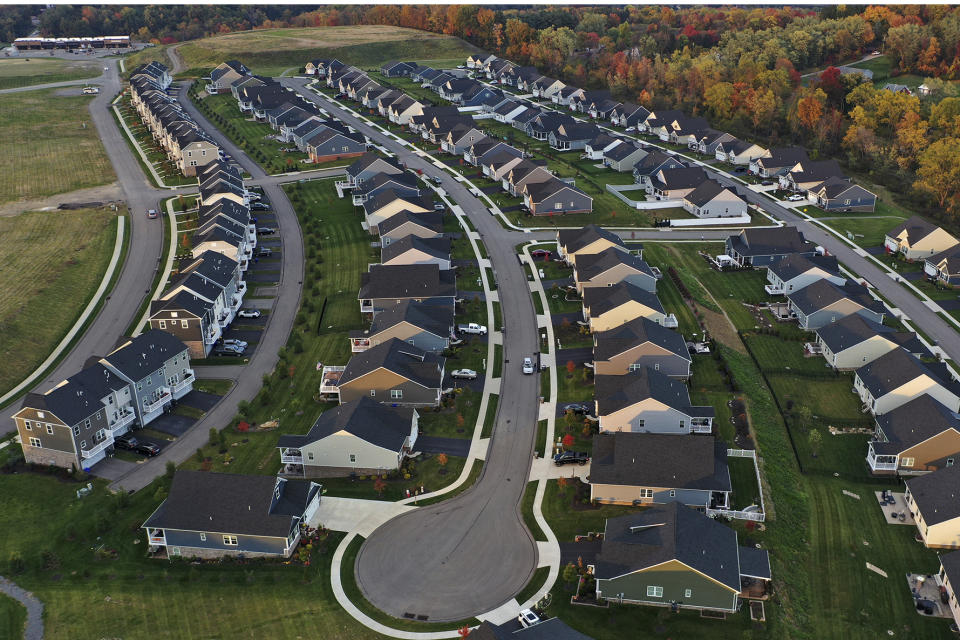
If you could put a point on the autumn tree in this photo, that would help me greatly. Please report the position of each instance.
(938, 173)
(571, 367)
(442, 459)
(379, 485)
(570, 574)
(568, 441)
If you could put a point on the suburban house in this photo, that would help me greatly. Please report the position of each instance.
(606, 308)
(523, 173)
(610, 266)
(944, 266)
(404, 184)
(710, 199)
(74, 424)
(496, 164)
(359, 437)
(628, 115)
(407, 223)
(224, 75)
(391, 201)
(416, 250)
(707, 142)
(918, 239)
(839, 194)
(366, 167)
(601, 143)
(331, 144)
(948, 576)
(763, 247)
(321, 67)
(797, 271)
(385, 286)
(777, 161)
(853, 341)
(460, 138)
(588, 240)
(428, 327)
(486, 148)
(738, 152)
(402, 111)
(673, 184)
(823, 302)
(648, 401)
(896, 378)
(395, 373)
(624, 156)
(212, 515)
(655, 468)
(934, 502)
(544, 87)
(396, 69)
(572, 136)
(658, 119)
(192, 318)
(652, 164)
(550, 629)
(807, 174)
(640, 344)
(918, 437)
(555, 197)
(674, 556)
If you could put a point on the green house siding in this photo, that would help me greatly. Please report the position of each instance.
(705, 593)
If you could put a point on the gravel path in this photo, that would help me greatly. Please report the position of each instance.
(34, 630)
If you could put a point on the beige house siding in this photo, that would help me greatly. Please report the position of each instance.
(619, 273)
(388, 211)
(656, 416)
(223, 248)
(861, 354)
(335, 451)
(382, 382)
(623, 314)
(620, 364)
(415, 256)
(937, 241)
(912, 390)
(596, 246)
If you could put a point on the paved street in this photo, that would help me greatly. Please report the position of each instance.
(472, 553)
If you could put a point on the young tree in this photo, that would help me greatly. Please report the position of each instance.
(571, 367)
(570, 574)
(442, 459)
(568, 441)
(379, 486)
(814, 439)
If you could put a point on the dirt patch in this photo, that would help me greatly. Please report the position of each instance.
(106, 193)
(721, 330)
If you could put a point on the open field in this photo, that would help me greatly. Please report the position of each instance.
(13, 617)
(53, 263)
(25, 72)
(46, 148)
(272, 51)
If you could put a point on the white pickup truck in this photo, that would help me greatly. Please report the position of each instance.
(472, 328)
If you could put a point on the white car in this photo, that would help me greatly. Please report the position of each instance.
(240, 344)
(528, 618)
(795, 197)
(528, 365)
(249, 313)
(464, 374)
(630, 130)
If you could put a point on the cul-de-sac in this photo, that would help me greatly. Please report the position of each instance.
(500, 322)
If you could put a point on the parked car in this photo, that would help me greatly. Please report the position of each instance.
(437, 180)
(528, 365)
(472, 327)
(571, 457)
(439, 206)
(233, 342)
(152, 213)
(148, 449)
(630, 130)
(264, 253)
(126, 441)
(266, 231)
(528, 618)
(464, 374)
(260, 206)
(540, 253)
(766, 183)
(577, 408)
(740, 170)
(229, 352)
(795, 197)
(249, 313)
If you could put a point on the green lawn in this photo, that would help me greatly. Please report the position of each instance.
(476, 468)
(156, 156)
(537, 581)
(829, 399)
(526, 508)
(867, 232)
(425, 470)
(54, 262)
(490, 419)
(13, 618)
(64, 154)
(568, 516)
(743, 477)
(24, 72)
(455, 419)
(777, 355)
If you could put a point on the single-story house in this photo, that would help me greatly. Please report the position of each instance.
(428, 327)
(610, 266)
(555, 197)
(777, 161)
(647, 401)
(606, 308)
(674, 184)
(823, 302)
(591, 239)
(389, 202)
(710, 199)
(918, 239)
(406, 223)
(797, 271)
(640, 344)
(416, 250)
(840, 194)
(624, 156)
(896, 378)
(763, 247)
(949, 578)
(934, 501)
(918, 437)
(384, 286)
(853, 341)
(944, 266)
(738, 152)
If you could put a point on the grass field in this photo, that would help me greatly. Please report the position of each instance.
(46, 150)
(54, 262)
(13, 617)
(272, 51)
(25, 72)
(867, 232)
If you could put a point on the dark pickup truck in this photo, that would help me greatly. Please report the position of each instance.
(570, 457)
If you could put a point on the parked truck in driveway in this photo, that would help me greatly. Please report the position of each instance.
(473, 327)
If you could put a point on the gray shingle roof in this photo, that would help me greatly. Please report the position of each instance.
(617, 392)
(772, 241)
(755, 563)
(609, 344)
(796, 264)
(79, 398)
(896, 368)
(428, 220)
(232, 504)
(367, 419)
(593, 265)
(400, 357)
(139, 357)
(784, 157)
(575, 239)
(407, 281)
(660, 460)
(916, 227)
(937, 494)
(621, 151)
(552, 629)
(916, 421)
(390, 195)
(823, 293)
(437, 319)
(435, 247)
(854, 329)
(704, 192)
(599, 300)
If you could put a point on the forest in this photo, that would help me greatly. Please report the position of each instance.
(743, 68)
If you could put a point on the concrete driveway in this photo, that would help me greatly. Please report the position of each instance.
(352, 514)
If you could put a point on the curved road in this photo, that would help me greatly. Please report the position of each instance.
(472, 553)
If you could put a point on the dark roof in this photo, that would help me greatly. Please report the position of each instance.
(811, 170)
(916, 227)
(540, 191)
(681, 178)
(771, 241)
(436, 247)
(232, 503)
(951, 566)
(784, 157)
(78, 397)
(617, 392)
(608, 344)
(599, 300)
(138, 357)
(367, 419)
(755, 563)
(428, 220)
(664, 461)
(437, 319)
(622, 150)
(937, 494)
(918, 420)
(671, 532)
(854, 329)
(796, 264)
(822, 293)
(592, 265)
(391, 195)
(575, 239)
(381, 179)
(185, 301)
(400, 357)
(653, 160)
(952, 258)
(360, 164)
(896, 368)
(407, 281)
(215, 267)
(704, 193)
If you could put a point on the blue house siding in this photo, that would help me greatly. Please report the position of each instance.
(214, 543)
(689, 497)
(855, 204)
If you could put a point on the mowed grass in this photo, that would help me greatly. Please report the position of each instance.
(45, 149)
(53, 263)
(25, 72)
(272, 51)
(867, 232)
(91, 595)
(13, 617)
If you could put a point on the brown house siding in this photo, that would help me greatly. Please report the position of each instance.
(192, 336)
(383, 382)
(931, 454)
(58, 448)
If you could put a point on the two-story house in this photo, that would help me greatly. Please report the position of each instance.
(647, 401)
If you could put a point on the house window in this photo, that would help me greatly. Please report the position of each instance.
(949, 462)
(673, 493)
(83, 444)
(203, 537)
(683, 423)
(906, 462)
(27, 426)
(656, 366)
(139, 386)
(396, 394)
(636, 367)
(646, 493)
(558, 205)
(50, 429)
(183, 324)
(640, 425)
(99, 415)
(76, 430)
(35, 442)
(230, 541)
(86, 423)
(654, 592)
(373, 393)
(163, 324)
(688, 593)
(353, 457)
(175, 551)
(310, 455)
